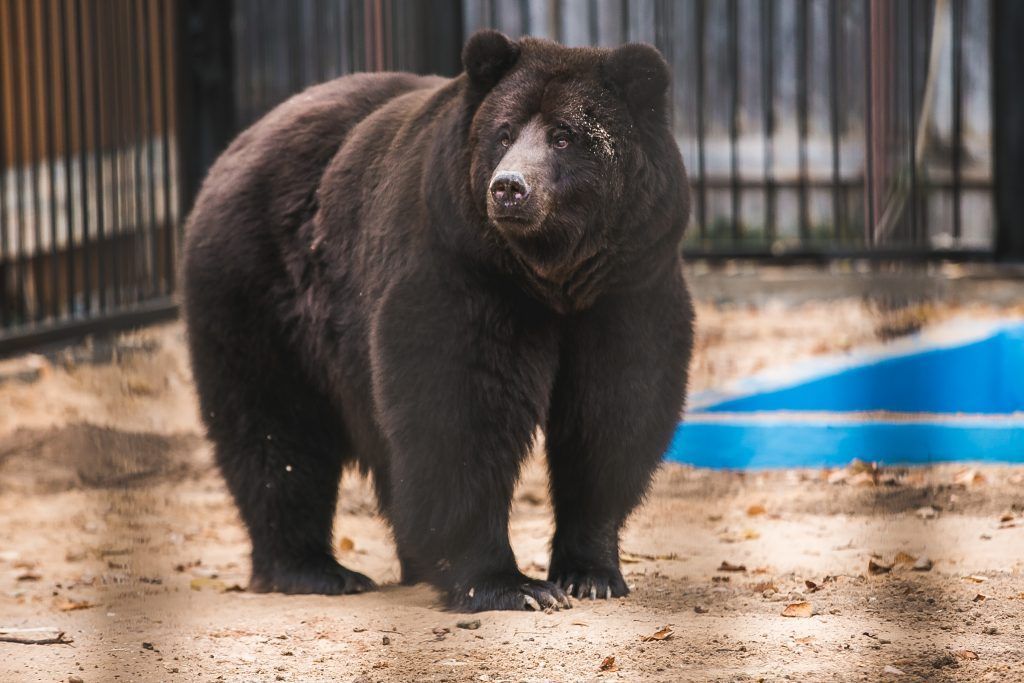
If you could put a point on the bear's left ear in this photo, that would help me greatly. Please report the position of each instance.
(639, 75)
(487, 56)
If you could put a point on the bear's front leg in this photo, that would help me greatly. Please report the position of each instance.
(617, 399)
(462, 377)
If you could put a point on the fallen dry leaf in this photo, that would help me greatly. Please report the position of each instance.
(878, 567)
(729, 567)
(1007, 517)
(632, 558)
(967, 654)
(811, 586)
(70, 605)
(798, 609)
(203, 582)
(974, 578)
(903, 558)
(969, 477)
(762, 586)
(663, 633)
(805, 640)
(608, 664)
(979, 598)
(755, 510)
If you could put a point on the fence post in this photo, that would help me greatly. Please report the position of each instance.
(1008, 130)
(205, 89)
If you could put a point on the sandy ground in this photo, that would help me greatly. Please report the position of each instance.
(116, 529)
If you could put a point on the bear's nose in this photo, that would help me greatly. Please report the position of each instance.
(509, 188)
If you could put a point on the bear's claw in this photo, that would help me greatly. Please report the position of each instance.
(594, 584)
(513, 592)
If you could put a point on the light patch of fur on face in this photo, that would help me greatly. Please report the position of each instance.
(602, 141)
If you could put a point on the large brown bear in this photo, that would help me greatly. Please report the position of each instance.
(411, 274)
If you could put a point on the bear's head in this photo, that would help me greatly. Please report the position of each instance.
(572, 159)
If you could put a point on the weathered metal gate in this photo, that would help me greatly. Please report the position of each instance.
(812, 128)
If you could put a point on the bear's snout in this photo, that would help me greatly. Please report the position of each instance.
(509, 189)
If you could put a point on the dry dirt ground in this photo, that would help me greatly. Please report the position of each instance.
(116, 529)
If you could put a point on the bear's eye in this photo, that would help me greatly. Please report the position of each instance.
(560, 141)
(505, 140)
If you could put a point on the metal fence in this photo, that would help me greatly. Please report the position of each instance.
(88, 206)
(866, 128)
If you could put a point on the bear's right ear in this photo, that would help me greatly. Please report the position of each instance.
(487, 56)
(639, 74)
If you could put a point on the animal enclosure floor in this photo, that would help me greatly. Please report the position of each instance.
(116, 529)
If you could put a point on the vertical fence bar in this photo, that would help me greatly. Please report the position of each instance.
(100, 104)
(83, 175)
(49, 107)
(17, 110)
(802, 106)
(69, 204)
(149, 128)
(910, 5)
(702, 184)
(6, 257)
(869, 112)
(34, 161)
(138, 231)
(166, 85)
(957, 11)
(768, 106)
(833, 92)
(734, 120)
(117, 157)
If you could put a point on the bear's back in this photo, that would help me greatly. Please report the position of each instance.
(267, 178)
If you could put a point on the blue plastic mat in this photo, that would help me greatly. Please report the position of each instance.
(920, 402)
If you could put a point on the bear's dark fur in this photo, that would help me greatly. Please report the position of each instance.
(412, 274)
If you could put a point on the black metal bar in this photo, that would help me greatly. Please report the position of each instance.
(117, 211)
(826, 254)
(136, 118)
(833, 92)
(22, 339)
(69, 204)
(1008, 126)
(869, 167)
(83, 174)
(6, 257)
(768, 105)
(732, 14)
(99, 151)
(34, 161)
(911, 5)
(166, 86)
(702, 209)
(957, 20)
(802, 40)
(49, 111)
(20, 270)
(149, 130)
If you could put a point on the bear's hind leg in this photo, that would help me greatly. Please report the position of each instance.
(280, 446)
(286, 485)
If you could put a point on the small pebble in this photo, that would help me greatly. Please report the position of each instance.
(471, 625)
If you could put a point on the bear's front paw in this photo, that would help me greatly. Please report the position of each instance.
(589, 582)
(510, 592)
(324, 577)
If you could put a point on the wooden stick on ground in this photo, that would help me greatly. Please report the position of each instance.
(46, 635)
